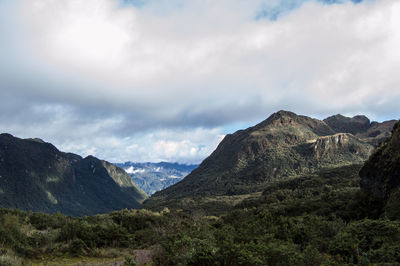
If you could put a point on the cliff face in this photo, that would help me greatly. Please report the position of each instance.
(331, 146)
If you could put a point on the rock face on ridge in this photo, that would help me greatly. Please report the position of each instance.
(36, 176)
(330, 144)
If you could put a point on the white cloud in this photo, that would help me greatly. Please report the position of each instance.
(216, 52)
(132, 170)
(100, 76)
(185, 145)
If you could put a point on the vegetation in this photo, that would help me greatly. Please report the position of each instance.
(310, 220)
(319, 217)
(380, 175)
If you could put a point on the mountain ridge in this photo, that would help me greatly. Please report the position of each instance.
(282, 146)
(36, 176)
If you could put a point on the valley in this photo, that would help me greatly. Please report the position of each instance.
(291, 190)
(199, 133)
(153, 177)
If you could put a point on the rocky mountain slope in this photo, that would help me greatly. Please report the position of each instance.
(153, 177)
(284, 145)
(36, 176)
(380, 176)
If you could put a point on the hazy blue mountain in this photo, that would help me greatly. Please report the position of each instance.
(153, 177)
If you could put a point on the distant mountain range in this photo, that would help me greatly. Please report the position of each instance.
(283, 146)
(36, 176)
(153, 177)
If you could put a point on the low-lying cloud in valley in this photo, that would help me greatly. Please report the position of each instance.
(165, 80)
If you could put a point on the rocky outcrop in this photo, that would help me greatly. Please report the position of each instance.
(330, 143)
(341, 143)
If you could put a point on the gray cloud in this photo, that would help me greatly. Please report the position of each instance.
(98, 77)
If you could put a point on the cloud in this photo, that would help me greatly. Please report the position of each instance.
(101, 76)
(184, 145)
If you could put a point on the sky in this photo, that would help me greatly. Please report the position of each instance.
(166, 80)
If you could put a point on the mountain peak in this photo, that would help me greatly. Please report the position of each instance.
(6, 135)
(284, 145)
(285, 113)
(36, 140)
(353, 125)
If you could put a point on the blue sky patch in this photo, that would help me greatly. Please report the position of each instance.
(273, 12)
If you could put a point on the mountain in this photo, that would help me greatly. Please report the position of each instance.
(36, 176)
(152, 177)
(284, 145)
(353, 125)
(380, 176)
(361, 127)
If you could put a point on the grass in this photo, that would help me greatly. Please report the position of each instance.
(76, 261)
(8, 257)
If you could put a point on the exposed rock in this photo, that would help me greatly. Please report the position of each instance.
(330, 143)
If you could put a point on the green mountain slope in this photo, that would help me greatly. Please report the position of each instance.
(36, 176)
(380, 176)
(285, 145)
